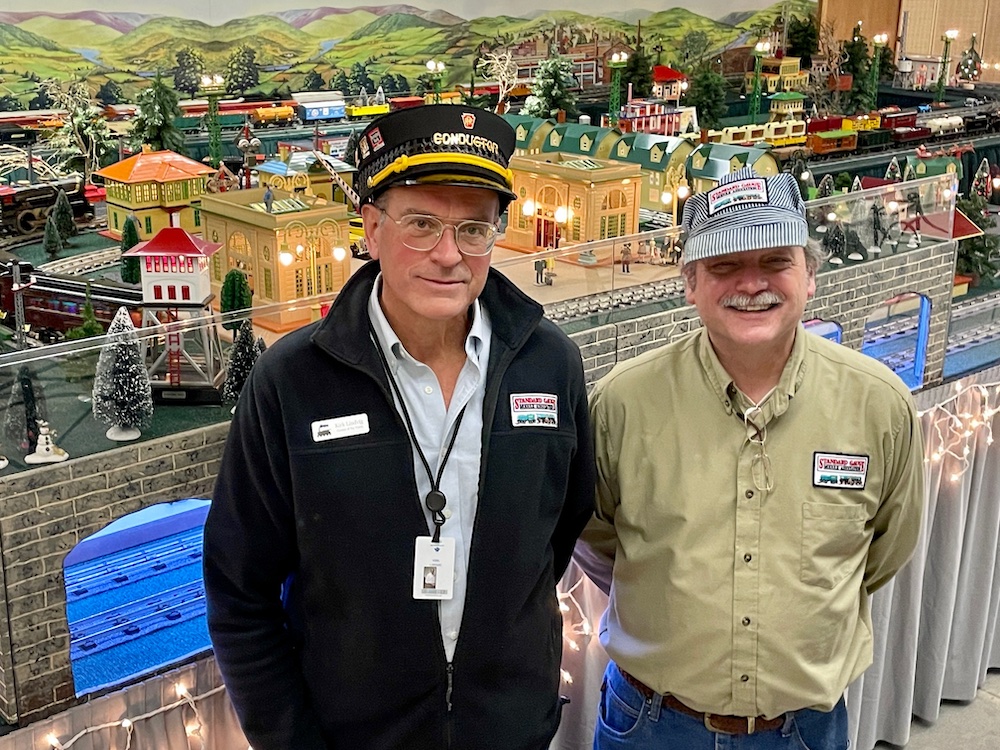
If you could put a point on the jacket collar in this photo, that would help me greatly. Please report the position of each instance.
(344, 333)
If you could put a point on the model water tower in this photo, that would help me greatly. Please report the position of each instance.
(182, 339)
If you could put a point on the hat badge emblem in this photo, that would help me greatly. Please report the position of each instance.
(468, 120)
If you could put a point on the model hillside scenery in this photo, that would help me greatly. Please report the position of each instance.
(129, 49)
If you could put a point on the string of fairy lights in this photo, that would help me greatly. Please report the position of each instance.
(194, 727)
(958, 422)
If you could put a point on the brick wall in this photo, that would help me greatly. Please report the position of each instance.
(44, 514)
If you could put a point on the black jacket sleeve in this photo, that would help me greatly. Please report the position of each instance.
(250, 550)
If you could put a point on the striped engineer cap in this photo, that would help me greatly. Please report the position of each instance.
(744, 212)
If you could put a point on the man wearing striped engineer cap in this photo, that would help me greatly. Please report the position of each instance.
(756, 483)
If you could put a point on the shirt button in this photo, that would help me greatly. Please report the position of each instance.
(747, 557)
(746, 621)
(749, 494)
(744, 678)
(453, 634)
(428, 390)
(446, 512)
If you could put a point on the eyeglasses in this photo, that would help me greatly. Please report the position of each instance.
(423, 232)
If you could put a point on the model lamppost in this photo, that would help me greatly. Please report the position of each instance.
(18, 284)
(949, 36)
(249, 145)
(676, 189)
(878, 42)
(551, 219)
(436, 70)
(759, 51)
(213, 88)
(617, 63)
(309, 243)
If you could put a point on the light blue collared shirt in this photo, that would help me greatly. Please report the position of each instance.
(432, 424)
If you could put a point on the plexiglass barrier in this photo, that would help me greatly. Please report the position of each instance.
(588, 285)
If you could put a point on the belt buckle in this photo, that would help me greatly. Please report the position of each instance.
(710, 726)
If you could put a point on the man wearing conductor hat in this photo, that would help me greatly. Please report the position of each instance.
(755, 484)
(404, 481)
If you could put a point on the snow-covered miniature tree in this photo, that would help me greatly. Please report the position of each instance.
(25, 409)
(52, 242)
(551, 92)
(835, 243)
(981, 184)
(379, 95)
(856, 185)
(825, 187)
(500, 67)
(242, 357)
(158, 109)
(63, 214)
(893, 172)
(122, 397)
(970, 64)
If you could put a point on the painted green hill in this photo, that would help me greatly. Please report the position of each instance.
(392, 23)
(799, 8)
(340, 26)
(70, 33)
(13, 36)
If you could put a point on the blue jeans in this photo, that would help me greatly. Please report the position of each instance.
(627, 721)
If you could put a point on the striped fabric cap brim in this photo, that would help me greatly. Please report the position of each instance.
(747, 229)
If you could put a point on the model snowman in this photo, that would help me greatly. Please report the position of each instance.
(46, 451)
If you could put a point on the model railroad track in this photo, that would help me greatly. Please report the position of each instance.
(137, 618)
(77, 265)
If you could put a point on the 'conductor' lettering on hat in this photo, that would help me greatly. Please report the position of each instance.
(741, 193)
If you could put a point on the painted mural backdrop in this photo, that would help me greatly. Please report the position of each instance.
(127, 43)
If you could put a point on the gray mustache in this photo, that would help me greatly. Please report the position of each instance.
(745, 300)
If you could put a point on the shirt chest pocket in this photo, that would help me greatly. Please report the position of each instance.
(833, 542)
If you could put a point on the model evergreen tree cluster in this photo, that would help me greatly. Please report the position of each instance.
(154, 126)
(25, 409)
(90, 325)
(551, 92)
(122, 394)
(242, 357)
(707, 92)
(131, 271)
(110, 93)
(52, 242)
(63, 213)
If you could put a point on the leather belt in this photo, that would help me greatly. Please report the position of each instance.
(712, 722)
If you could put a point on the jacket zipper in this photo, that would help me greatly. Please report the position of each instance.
(450, 671)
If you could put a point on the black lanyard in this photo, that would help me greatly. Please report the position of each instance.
(435, 500)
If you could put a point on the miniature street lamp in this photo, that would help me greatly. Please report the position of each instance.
(759, 51)
(213, 88)
(249, 145)
(676, 190)
(310, 250)
(878, 42)
(436, 70)
(617, 62)
(949, 36)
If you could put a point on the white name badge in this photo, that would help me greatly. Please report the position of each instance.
(339, 427)
(434, 568)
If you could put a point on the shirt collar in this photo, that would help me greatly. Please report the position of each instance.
(736, 402)
(393, 348)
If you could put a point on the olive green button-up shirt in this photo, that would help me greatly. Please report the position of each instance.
(745, 540)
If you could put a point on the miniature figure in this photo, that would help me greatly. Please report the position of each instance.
(46, 451)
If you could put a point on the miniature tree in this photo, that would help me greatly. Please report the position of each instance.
(131, 270)
(52, 243)
(893, 172)
(976, 255)
(981, 184)
(970, 64)
(797, 167)
(707, 93)
(858, 63)
(825, 188)
(638, 72)
(340, 83)
(188, 71)
(63, 214)
(241, 359)
(90, 325)
(235, 295)
(835, 242)
(842, 180)
(122, 397)
(154, 126)
(260, 346)
(691, 50)
(25, 409)
(500, 67)
(84, 134)
(803, 39)
(551, 91)
(856, 184)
